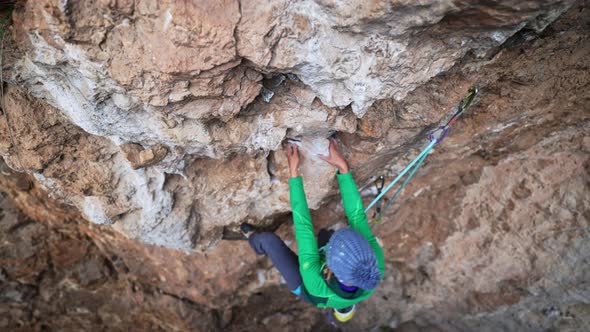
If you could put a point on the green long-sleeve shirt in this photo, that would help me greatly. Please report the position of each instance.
(310, 261)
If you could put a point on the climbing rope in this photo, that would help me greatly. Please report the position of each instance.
(399, 190)
(436, 136)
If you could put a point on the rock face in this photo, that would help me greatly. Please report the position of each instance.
(145, 127)
(184, 78)
(58, 280)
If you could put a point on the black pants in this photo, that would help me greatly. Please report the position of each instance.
(282, 257)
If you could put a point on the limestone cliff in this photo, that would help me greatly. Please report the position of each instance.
(163, 97)
(150, 129)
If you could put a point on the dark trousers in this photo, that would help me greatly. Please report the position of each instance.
(281, 256)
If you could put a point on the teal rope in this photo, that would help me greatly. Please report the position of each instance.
(399, 190)
(420, 158)
(463, 105)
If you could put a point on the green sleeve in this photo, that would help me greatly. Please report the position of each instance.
(355, 213)
(309, 257)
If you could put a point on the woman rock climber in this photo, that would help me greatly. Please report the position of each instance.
(339, 269)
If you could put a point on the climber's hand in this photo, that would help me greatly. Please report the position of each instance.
(335, 158)
(293, 159)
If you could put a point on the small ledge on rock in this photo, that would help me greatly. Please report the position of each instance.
(140, 157)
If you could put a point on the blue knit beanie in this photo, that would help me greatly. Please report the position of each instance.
(350, 256)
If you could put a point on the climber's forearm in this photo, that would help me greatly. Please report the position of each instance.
(304, 233)
(355, 213)
(299, 206)
(293, 160)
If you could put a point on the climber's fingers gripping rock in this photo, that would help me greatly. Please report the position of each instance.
(293, 159)
(335, 157)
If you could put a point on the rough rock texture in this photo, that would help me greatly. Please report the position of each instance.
(66, 274)
(492, 234)
(56, 279)
(184, 76)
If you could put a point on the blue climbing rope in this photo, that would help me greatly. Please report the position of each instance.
(436, 136)
(399, 190)
(424, 152)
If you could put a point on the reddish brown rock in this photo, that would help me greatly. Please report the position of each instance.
(199, 83)
(140, 157)
(492, 233)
